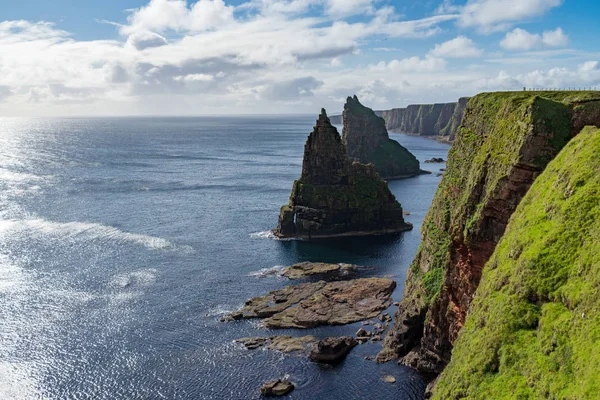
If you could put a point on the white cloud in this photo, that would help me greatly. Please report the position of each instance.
(163, 15)
(208, 57)
(520, 39)
(342, 8)
(492, 15)
(194, 77)
(459, 47)
(411, 64)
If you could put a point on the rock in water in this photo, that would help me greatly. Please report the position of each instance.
(280, 387)
(389, 379)
(284, 344)
(336, 197)
(306, 269)
(367, 141)
(309, 305)
(332, 350)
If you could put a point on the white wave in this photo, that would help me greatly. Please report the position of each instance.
(220, 310)
(82, 230)
(261, 273)
(7, 175)
(144, 277)
(263, 235)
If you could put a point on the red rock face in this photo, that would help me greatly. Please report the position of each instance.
(474, 236)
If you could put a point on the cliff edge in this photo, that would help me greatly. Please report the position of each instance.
(335, 196)
(366, 139)
(505, 142)
(533, 330)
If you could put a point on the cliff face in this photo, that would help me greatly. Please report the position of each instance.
(336, 197)
(367, 141)
(533, 330)
(427, 119)
(504, 143)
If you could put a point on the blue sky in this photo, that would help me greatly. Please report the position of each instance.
(172, 57)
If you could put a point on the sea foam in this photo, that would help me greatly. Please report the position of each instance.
(83, 231)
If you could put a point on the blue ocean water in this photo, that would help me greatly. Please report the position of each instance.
(123, 241)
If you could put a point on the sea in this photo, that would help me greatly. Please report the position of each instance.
(124, 241)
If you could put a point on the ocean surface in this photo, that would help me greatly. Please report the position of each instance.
(124, 241)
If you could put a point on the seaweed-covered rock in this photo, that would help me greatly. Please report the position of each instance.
(337, 197)
(367, 141)
(309, 305)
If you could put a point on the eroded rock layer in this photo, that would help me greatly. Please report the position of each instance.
(442, 120)
(367, 141)
(335, 196)
(505, 142)
(309, 305)
(533, 330)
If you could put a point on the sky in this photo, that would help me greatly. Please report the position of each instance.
(207, 57)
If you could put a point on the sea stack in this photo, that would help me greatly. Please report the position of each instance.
(335, 196)
(366, 139)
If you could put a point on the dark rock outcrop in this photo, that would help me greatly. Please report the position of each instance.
(366, 139)
(505, 142)
(279, 387)
(336, 197)
(333, 349)
(309, 305)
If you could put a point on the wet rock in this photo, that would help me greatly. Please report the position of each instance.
(376, 338)
(309, 305)
(363, 333)
(365, 323)
(385, 317)
(389, 379)
(370, 358)
(279, 387)
(306, 269)
(284, 344)
(333, 349)
(406, 213)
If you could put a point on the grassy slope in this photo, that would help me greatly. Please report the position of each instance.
(534, 326)
(487, 147)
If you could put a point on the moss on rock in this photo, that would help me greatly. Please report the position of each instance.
(534, 326)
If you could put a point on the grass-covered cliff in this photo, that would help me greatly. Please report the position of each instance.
(440, 120)
(367, 141)
(336, 196)
(533, 330)
(505, 141)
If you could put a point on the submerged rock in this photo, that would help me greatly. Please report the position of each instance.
(284, 344)
(333, 349)
(309, 305)
(336, 197)
(435, 160)
(306, 269)
(279, 387)
(367, 141)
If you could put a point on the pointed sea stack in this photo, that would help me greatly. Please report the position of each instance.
(367, 141)
(336, 197)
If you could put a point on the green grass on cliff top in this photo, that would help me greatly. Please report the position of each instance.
(533, 331)
(496, 126)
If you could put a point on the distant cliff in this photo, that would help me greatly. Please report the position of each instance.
(435, 120)
(533, 329)
(505, 142)
(335, 196)
(367, 141)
